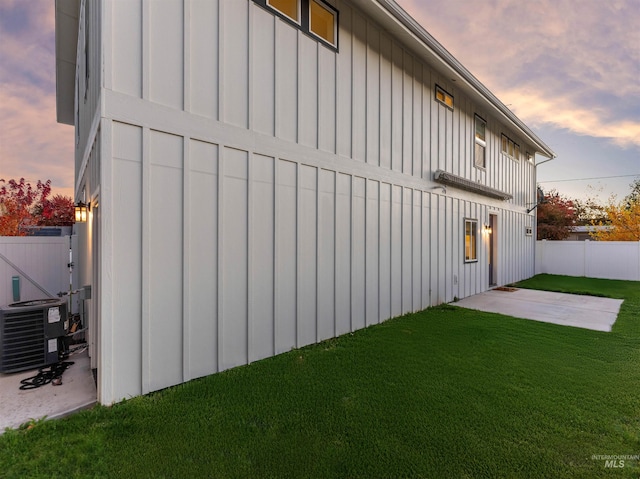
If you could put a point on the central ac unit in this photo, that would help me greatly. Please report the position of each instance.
(31, 334)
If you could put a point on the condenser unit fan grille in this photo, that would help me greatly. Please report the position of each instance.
(23, 341)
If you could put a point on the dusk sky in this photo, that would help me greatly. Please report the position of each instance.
(569, 69)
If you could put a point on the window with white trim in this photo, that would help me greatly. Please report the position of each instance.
(510, 148)
(316, 18)
(289, 8)
(444, 97)
(480, 153)
(323, 21)
(470, 240)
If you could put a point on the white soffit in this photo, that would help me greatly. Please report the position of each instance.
(67, 13)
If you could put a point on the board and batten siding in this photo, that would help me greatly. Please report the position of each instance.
(260, 192)
(371, 102)
(222, 256)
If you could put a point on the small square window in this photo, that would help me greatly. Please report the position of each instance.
(510, 148)
(470, 240)
(444, 97)
(322, 21)
(290, 8)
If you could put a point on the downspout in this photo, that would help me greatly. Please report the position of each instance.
(535, 223)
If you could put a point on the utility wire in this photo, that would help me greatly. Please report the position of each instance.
(587, 179)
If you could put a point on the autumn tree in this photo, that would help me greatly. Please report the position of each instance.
(634, 196)
(623, 218)
(57, 211)
(589, 211)
(556, 215)
(22, 206)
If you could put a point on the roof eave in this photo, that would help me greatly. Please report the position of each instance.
(67, 15)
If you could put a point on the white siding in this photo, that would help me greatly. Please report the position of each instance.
(202, 294)
(307, 253)
(260, 191)
(123, 276)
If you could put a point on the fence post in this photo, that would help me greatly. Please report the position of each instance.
(638, 270)
(585, 260)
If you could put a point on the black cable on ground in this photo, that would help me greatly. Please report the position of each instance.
(46, 375)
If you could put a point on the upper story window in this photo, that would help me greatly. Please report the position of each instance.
(510, 148)
(480, 153)
(323, 21)
(444, 97)
(313, 17)
(290, 8)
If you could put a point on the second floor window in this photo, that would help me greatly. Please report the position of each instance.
(510, 148)
(444, 97)
(290, 8)
(480, 153)
(316, 18)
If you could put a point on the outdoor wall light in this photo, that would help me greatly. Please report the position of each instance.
(487, 229)
(81, 212)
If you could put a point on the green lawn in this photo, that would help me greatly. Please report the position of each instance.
(443, 393)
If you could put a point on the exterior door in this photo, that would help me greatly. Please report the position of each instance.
(493, 250)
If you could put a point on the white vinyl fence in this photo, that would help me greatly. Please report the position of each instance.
(593, 259)
(41, 263)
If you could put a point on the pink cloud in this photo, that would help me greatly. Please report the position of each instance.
(575, 60)
(32, 144)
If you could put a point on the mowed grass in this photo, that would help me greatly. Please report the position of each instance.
(443, 393)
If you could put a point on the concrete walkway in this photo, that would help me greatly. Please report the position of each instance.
(579, 311)
(77, 391)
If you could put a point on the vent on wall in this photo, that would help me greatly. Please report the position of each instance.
(464, 184)
(30, 332)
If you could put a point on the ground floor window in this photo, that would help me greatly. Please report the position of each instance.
(470, 240)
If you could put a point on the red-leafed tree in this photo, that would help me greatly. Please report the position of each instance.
(556, 216)
(57, 211)
(22, 206)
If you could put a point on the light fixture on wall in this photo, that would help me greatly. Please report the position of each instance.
(81, 212)
(487, 229)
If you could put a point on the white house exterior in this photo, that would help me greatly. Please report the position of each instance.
(254, 188)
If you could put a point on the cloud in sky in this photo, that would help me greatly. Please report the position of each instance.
(574, 65)
(32, 144)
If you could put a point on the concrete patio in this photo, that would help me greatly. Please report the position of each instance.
(77, 391)
(589, 312)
